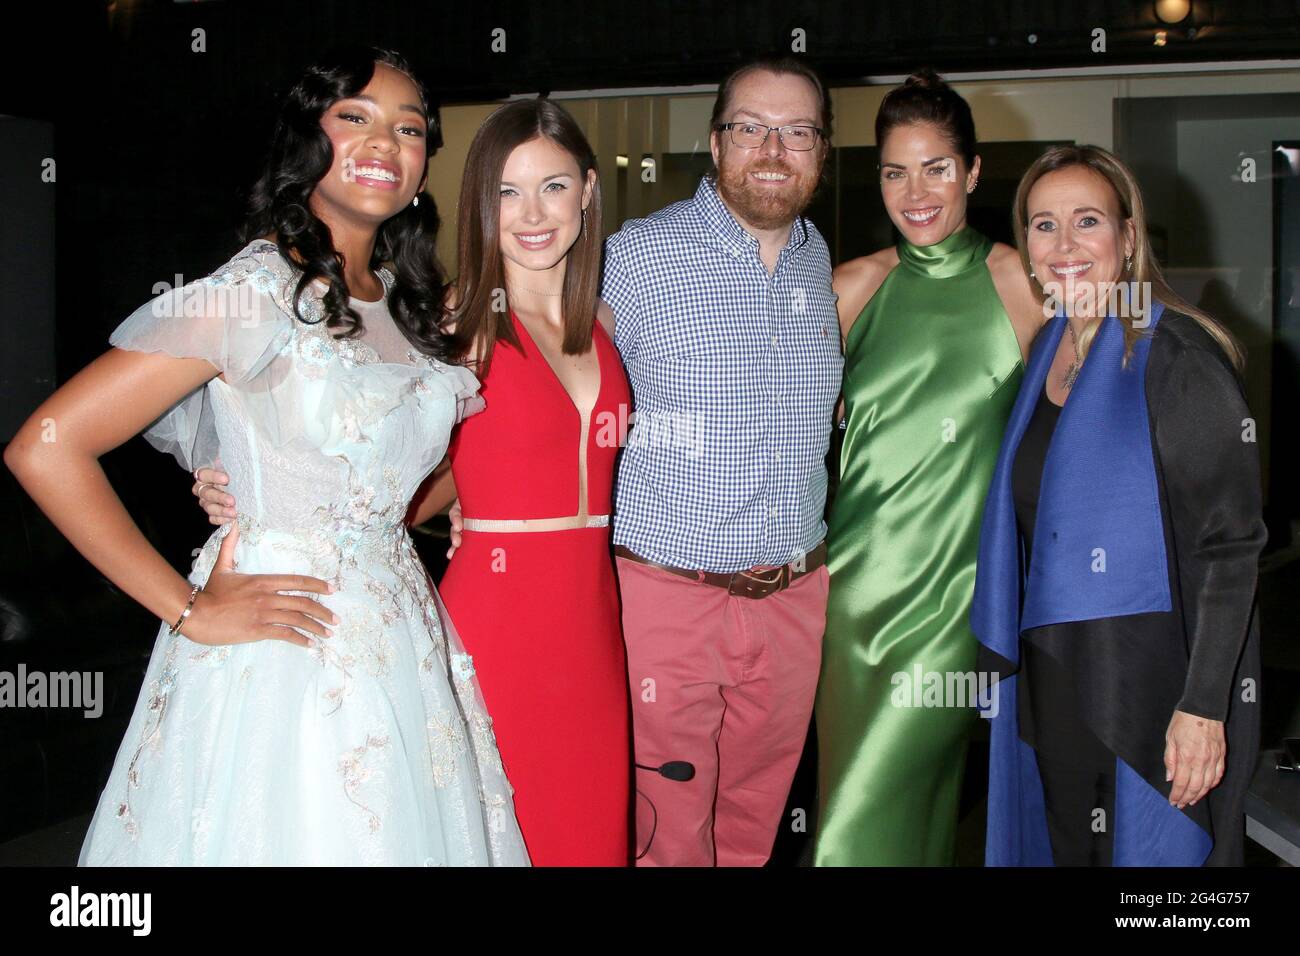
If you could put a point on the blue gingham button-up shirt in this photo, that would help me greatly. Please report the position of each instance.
(735, 372)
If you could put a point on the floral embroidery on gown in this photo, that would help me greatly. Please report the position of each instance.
(374, 747)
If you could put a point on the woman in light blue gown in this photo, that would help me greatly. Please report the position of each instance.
(307, 701)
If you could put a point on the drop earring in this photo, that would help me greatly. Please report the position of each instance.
(415, 201)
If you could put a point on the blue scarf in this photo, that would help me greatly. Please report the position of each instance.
(1098, 552)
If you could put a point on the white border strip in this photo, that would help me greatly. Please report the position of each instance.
(1051, 73)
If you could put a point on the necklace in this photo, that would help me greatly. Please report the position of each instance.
(1072, 372)
(520, 288)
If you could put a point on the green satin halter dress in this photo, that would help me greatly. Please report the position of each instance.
(931, 370)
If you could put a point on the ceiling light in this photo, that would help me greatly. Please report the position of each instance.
(1173, 11)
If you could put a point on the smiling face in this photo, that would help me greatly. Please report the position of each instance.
(768, 186)
(924, 183)
(1078, 237)
(543, 194)
(380, 157)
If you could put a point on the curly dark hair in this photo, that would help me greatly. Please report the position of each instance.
(300, 156)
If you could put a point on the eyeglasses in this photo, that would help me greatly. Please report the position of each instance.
(753, 135)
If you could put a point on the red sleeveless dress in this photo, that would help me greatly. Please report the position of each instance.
(538, 610)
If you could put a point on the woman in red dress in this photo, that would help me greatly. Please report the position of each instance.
(532, 592)
(531, 587)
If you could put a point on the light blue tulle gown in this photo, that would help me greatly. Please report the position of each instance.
(373, 747)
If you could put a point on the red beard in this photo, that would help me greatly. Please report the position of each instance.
(759, 206)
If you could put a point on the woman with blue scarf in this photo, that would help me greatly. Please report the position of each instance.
(1117, 566)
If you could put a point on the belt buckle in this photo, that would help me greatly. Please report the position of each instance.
(781, 581)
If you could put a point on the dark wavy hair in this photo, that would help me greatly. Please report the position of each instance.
(924, 98)
(300, 156)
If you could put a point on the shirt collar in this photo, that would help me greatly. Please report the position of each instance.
(718, 217)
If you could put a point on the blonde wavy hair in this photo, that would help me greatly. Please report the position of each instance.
(1142, 269)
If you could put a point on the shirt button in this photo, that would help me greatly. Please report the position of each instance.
(774, 340)
(777, 456)
(772, 512)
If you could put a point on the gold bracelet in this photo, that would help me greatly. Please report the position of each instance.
(189, 606)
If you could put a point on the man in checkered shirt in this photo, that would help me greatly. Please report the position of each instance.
(726, 322)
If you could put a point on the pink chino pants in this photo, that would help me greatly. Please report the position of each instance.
(727, 684)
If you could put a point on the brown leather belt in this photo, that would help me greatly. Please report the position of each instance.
(755, 583)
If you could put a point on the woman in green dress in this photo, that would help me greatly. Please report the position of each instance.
(935, 333)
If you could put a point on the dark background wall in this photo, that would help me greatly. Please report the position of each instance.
(28, 180)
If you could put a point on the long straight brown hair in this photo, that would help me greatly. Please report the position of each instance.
(480, 288)
(1144, 267)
